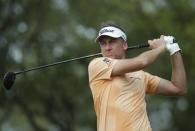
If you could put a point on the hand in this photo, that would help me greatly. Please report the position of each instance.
(156, 43)
(169, 39)
(171, 45)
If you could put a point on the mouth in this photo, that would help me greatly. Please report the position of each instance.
(109, 55)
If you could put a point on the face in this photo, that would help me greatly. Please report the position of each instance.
(113, 47)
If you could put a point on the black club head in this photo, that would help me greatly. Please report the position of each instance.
(9, 79)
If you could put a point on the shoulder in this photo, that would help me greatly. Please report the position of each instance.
(101, 68)
(100, 61)
(93, 61)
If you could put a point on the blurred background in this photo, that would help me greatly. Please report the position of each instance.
(38, 32)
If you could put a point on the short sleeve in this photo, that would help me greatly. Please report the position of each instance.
(101, 68)
(152, 83)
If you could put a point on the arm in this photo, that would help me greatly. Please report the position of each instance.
(177, 85)
(142, 61)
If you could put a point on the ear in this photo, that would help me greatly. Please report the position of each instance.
(125, 45)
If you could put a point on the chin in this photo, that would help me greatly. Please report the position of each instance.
(118, 57)
(112, 57)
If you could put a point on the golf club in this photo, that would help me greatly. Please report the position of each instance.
(9, 77)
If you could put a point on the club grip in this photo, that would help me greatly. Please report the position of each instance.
(143, 45)
(139, 46)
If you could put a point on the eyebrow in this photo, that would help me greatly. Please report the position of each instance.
(107, 37)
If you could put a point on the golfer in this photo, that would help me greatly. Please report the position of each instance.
(119, 84)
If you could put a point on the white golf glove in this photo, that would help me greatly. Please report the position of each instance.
(171, 45)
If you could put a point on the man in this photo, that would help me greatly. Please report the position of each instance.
(119, 84)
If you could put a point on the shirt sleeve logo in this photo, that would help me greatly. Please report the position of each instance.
(107, 61)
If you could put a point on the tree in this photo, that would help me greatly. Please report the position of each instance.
(38, 32)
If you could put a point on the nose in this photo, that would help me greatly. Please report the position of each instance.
(108, 46)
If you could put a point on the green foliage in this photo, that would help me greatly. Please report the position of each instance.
(39, 32)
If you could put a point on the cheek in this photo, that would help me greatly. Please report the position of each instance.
(103, 49)
(119, 49)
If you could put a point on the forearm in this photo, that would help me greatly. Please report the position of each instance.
(150, 56)
(178, 71)
(142, 61)
(138, 63)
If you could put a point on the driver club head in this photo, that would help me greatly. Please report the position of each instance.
(9, 79)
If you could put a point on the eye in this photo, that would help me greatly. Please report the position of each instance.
(102, 43)
(113, 40)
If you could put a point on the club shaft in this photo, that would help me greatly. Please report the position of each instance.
(78, 58)
(57, 63)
